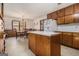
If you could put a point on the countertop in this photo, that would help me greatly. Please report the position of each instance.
(44, 33)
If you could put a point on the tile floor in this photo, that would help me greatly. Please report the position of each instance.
(19, 47)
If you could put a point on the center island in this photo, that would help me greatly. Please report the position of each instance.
(44, 43)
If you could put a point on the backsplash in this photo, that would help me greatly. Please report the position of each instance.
(50, 25)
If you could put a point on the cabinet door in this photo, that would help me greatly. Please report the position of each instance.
(69, 10)
(61, 20)
(76, 8)
(69, 19)
(32, 42)
(49, 16)
(42, 45)
(67, 39)
(76, 18)
(54, 15)
(76, 40)
(60, 12)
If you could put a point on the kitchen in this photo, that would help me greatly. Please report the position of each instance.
(45, 36)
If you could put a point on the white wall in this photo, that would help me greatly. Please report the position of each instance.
(8, 22)
(29, 23)
(37, 22)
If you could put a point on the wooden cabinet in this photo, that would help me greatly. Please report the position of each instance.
(49, 16)
(71, 14)
(42, 45)
(10, 33)
(67, 39)
(76, 18)
(60, 20)
(55, 45)
(69, 19)
(76, 8)
(32, 42)
(76, 40)
(61, 37)
(54, 15)
(69, 10)
(61, 12)
(2, 45)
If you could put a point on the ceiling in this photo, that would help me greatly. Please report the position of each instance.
(31, 10)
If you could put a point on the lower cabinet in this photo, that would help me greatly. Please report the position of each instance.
(42, 45)
(10, 33)
(76, 40)
(67, 39)
(70, 39)
(32, 42)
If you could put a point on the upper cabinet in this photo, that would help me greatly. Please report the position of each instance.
(61, 20)
(69, 10)
(49, 16)
(69, 19)
(66, 15)
(76, 8)
(54, 15)
(60, 12)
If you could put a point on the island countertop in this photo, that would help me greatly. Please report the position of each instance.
(44, 33)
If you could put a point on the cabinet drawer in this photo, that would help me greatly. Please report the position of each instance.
(76, 34)
(67, 33)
